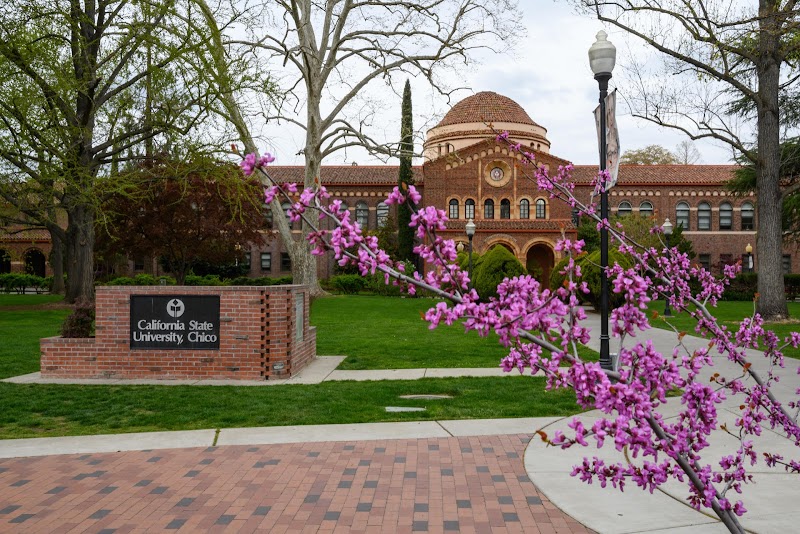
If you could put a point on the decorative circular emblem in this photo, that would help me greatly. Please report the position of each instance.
(175, 308)
(496, 174)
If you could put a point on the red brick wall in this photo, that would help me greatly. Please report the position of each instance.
(257, 331)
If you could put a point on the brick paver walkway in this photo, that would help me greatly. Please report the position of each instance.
(475, 484)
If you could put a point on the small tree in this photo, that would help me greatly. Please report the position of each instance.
(649, 155)
(405, 248)
(185, 213)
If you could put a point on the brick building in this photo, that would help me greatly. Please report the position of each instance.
(471, 175)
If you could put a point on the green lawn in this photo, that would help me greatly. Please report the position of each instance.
(730, 314)
(31, 410)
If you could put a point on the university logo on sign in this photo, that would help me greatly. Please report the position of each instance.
(175, 322)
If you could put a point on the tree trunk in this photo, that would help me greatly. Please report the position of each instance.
(57, 263)
(80, 253)
(304, 264)
(769, 242)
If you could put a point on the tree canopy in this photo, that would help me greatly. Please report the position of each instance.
(649, 155)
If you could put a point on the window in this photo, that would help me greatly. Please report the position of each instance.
(682, 215)
(505, 209)
(786, 261)
(725, 216)
(383, 214)
(266, 261)
(704, 216)
(453, 214)
(267, 216)
(748, 215)
(362, 215)
(285, 207)
(247, 259)
(286, 262)
(646, 209)
(624, 209)
(541, 208)
(524, 209)
(488, 209)
(469, 209)
(138, 264)
(705, 261)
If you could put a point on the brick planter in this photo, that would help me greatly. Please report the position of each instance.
(264, 334)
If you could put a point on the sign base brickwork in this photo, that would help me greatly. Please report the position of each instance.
(236, 332)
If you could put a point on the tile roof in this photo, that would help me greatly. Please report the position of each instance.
(344, 174)
(35, 234)
(486, 106)
(662, 174)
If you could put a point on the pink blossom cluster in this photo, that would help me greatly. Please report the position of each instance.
(542, 329)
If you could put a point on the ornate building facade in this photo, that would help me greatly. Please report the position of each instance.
(471, 175)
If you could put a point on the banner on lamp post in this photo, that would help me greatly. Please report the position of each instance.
(612, 137)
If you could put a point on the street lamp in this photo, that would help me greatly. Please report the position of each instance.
(470, 229)
(749, 250)
(602, 56)
(667, 227)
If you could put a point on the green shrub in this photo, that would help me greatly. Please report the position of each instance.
(349, 284)
(145, 280)
(743, 287)
(491, 268)
(18, 282)
(79, 322)
(207, 280)
(792, 285)
(121, 281)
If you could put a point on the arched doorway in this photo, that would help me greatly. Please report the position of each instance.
(35, 262)
(5, 261)
(540, 262)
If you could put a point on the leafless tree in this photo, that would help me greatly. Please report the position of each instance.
(720, 60)
(686, 153)
(330, 55)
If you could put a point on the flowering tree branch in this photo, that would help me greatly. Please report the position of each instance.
(542, 329)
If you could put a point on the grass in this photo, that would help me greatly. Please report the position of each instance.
(730, 314)
(390, 333)
(358, 324)
(36, 410)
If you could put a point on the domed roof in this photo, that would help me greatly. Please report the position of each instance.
(486, 106)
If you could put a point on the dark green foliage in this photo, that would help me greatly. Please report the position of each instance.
(638, 229)
(405, 236)
(491, 268)
(792, 282)
(19, 282)
(349, 284)
(207, 280)
(743, 287)
(80, 322)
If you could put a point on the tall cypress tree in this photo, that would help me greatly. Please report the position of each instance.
(406, 178)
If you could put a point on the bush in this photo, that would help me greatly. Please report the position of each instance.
(121, 281)
(590, 271)
(491, 268)
(792, 283)
(207, 280)
(743, 287)
(18, 282)
(349, 284)
(79, 322)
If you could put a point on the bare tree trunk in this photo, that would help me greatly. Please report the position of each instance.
(57, 262)
(772, 299)
(80, 254)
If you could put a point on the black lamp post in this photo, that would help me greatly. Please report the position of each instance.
(602, 56)
(667, 227)
(749, 250)
(470, 229)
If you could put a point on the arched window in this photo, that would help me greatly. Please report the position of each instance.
(505, 209)
(469, 209)
(682, 215)
(704, 216)
(624, 209)
(541, 208)
(453, 213)
(748, 216)
(646, 209)
(524, 209)
(725, 216)
(362, 215)
(382, 214)
(488, 209)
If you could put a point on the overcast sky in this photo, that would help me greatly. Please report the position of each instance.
(549, 76)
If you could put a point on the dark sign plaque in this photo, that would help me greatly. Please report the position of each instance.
(175, 322)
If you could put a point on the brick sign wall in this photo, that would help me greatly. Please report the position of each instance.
(242, 332)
